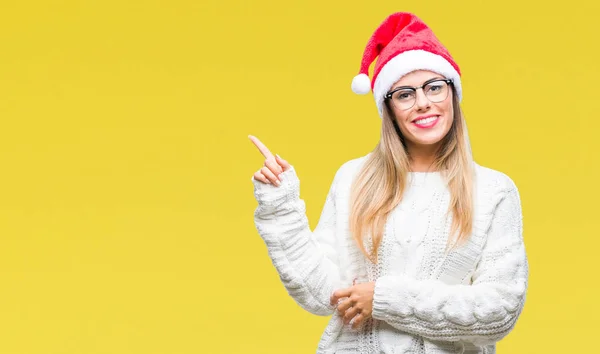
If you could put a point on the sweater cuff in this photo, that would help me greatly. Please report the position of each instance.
(391, 292)
(269, 195)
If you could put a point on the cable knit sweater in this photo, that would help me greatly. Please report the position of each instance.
(426, 300)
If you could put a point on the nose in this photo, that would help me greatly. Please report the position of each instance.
(421, 101)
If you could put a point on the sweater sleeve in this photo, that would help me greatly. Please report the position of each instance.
(481, 313)
(307, 261)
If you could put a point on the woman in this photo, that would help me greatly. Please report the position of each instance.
(418, 249)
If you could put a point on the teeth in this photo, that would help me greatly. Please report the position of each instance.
(426, 120)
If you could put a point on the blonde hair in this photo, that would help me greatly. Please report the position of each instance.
(380, 184)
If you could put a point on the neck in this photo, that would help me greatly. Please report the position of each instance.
(422, 158)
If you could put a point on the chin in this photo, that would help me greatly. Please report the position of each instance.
(428, 140)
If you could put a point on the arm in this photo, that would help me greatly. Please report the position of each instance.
(481, 313)
(306, 261)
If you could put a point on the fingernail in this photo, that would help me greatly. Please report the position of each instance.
(278, 155)
(278, 183)
(280, 176)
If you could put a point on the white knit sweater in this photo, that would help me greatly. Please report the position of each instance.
(426, 300)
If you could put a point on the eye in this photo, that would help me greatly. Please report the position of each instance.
(435, 88)
(404, 95)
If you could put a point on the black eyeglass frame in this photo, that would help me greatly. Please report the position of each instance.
(388, 95)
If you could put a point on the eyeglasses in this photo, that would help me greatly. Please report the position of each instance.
(404, 97)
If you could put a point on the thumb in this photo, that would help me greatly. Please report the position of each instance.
(283, 163)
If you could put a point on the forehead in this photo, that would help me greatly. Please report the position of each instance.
(416, 78)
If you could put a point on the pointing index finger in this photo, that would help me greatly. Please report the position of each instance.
(262, 148)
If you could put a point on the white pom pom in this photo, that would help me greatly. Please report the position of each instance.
(361, 84)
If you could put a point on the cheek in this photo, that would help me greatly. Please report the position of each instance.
(401, 119)
(448, 113)
(449, 120)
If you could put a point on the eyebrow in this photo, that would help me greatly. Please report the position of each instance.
(424, 82)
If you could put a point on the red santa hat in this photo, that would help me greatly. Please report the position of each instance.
(402, 44)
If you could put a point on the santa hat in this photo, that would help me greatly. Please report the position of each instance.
(402, 44)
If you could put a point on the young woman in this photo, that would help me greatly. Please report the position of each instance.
(418, 249)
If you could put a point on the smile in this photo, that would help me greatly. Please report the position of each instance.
(427, 122)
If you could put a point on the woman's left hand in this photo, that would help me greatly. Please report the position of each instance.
(356, 304)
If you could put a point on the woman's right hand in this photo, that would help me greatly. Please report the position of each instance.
(272, 167)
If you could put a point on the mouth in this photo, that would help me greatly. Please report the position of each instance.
(426, 121)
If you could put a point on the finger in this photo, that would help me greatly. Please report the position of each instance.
(283, 163)
(260, 177)
(356, 321)
(343, 306)
(262, 148)
(338, 294)
(270, 176)
(350, 314)
(274, 167)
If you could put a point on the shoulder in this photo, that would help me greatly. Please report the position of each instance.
(498, 199)
(346, 172)
(492, 182)
(349, 169)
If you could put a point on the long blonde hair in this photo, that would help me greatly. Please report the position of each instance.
(380, 184)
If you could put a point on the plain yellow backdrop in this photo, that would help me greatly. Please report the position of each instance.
(125, 198)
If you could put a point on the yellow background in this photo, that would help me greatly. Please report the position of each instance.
(125, 197)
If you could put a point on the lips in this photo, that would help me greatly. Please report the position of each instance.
(426, 122)
(420, 118)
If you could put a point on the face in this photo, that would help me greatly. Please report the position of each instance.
(426, 123)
